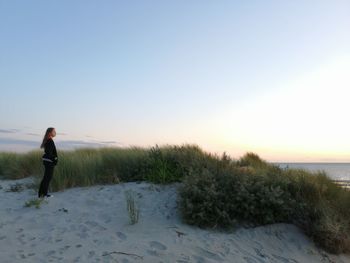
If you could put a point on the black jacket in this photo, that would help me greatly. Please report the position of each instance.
(50, 155)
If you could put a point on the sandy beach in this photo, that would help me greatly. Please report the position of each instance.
(92, 225)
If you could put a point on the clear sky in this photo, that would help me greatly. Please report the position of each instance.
(272, 77)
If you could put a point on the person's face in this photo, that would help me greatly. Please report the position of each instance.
(53, 133)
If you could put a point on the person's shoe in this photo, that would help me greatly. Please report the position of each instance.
(48, 196)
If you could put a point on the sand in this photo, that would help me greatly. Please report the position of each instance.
(91, 224)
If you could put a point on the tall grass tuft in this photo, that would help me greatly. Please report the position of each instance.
(132, 207)
(20, 165)
(86, 167)
(36, 202)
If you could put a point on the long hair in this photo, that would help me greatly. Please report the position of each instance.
(46, 136)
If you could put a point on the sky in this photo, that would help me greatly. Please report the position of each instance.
(270, 77)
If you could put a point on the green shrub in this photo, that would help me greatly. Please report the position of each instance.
(252, 160)
(253, 192)
(226, 197)
(168, 164)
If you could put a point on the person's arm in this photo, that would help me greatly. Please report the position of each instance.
(54, 154)
(50, 151)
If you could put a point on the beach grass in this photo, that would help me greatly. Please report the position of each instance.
(86, 167)
(35, 202)
(215, 192)
(132, 207)
(20, 165)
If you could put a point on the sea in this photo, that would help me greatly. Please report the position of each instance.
(336, 171)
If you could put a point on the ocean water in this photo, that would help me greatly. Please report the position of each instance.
(336, 171)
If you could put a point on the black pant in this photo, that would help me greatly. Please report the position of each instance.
(44, 185)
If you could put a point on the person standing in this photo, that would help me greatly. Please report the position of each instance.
(49, 159)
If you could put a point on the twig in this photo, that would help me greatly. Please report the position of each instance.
(123, 253)
(179, 234)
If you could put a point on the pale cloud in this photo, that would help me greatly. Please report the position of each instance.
(22, 144)
(9, 130)
(33, 134)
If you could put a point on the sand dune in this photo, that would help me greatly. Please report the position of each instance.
(92, 225)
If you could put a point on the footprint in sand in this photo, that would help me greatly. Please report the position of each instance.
(248, 257)
(284, 260)
(77, 259)
(121, 236)
(184, 259)
(106, 221)
(20, 239)
(152, 252)
(208, 254)
(83, 235)
(91, 254)
(63, 249)
(19, 230)
(91, 223)
(198, 259)
(57, 258)
(83, 228)
(253, 260)
(157, 245)
(260, 253)
(50, 253)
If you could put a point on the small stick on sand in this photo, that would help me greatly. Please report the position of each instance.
(123, 253)
(179, 234)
